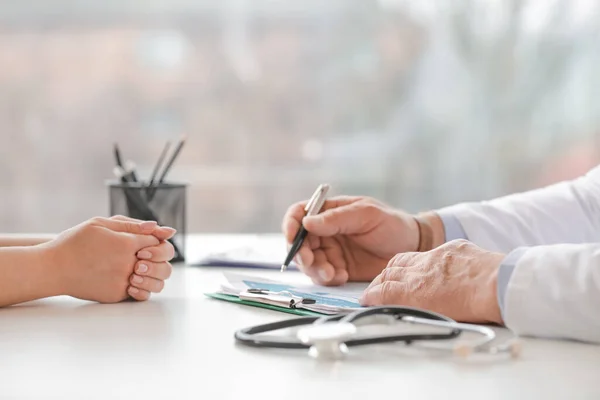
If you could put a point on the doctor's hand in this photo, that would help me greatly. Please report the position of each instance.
(457, 279)
(352, 239)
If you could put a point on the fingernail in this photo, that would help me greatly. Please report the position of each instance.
(137, 279)
(133, 290)
(169, 229)
(300, 260)
(144, 254)
(142, 268)
(324, 275)
(148, 225)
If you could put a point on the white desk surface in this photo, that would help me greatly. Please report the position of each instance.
(180, 345)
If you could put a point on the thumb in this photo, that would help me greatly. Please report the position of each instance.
(164, 233)
(127, 226)
(342, 220)
(160, 232)
(145, 241)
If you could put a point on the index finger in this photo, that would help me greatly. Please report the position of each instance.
(388, 274)
(292, 219)
(386, 293)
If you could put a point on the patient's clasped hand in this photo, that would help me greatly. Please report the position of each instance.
(107, 260)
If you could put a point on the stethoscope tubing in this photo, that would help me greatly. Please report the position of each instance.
(251, 336)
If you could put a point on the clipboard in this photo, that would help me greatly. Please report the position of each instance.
(259, 304)
(299, 299)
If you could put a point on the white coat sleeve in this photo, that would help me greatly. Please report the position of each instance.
(567, 212)
(549, 283)
(554, 292)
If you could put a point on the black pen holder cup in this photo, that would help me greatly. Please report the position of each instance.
(164, 203)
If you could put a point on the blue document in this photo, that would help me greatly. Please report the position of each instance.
(322, 300)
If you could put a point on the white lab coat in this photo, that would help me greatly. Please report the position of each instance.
(554, 290)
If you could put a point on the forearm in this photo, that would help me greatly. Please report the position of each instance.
(23, 240)
(554, 291)
(567, 212)
(26, 274)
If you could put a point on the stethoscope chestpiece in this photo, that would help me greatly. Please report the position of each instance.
(327, 340)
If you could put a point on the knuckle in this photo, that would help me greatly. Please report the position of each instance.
(171, 250)
(370, 209)
(168, 270)
(397, 260)
(87, 226)
(448, 257)
(369, 200)
(386, 293)
(130, 227)
(388, 274)
(402, 259)
(460, 244)
(95, 221)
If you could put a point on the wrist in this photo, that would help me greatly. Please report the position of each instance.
(487, 290)
(430, 230)
(52, 269)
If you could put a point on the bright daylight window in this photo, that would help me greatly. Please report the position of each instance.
(420, 104)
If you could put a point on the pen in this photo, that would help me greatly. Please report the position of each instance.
(130, 169)
(159, 163)
(118, 159)
(313, 207)
(172, 160)
(170, 163)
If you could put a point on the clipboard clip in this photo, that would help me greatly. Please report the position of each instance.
(275, 298)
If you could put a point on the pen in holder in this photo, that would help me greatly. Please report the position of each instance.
(164, 203)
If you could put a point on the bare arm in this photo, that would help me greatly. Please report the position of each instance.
(23, 240)
(26, 274)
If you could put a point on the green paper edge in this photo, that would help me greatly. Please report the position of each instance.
(235, 299)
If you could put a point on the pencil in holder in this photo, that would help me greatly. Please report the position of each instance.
(164, 203)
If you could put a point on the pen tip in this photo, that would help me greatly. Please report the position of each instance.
(283, 267)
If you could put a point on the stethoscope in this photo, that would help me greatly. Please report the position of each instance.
(331, 336)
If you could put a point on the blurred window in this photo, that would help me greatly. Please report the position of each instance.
(420, 104)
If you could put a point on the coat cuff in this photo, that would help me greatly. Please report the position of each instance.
(452, 227)
(504, 274)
